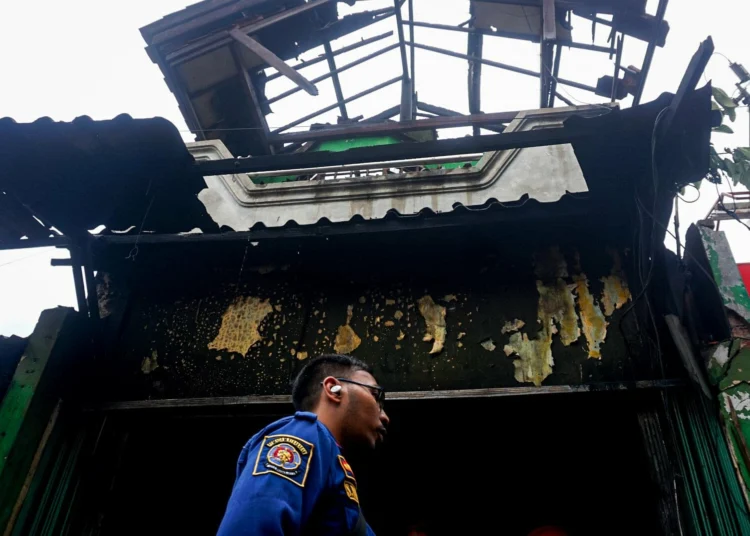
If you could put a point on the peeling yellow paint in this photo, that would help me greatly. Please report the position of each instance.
(239, 325)
(302, 356)
(389, 323)
(277, 308)
(460, 344)
(592, 318)
(346, 340)
(535, 356)
(449, 298)
(512, 325)
(390, 302)
(615, 293)
(292, 351)
(488, 345)
(398, 347)
(398, 315)
(375, 338)
(557, 305)
(461, 335)
(400, 336)
(150, 363)
(434, 316)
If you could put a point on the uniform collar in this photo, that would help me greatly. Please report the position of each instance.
(306, 415)
(310, 416)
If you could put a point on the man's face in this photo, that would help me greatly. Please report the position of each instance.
(364, 421)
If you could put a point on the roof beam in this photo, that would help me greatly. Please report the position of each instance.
(555, 73)
(475, 47)
(511, 68)
(341, 69)
(444, 121)
(222, 37)
(412, 59)
(549, 24)
(331, 107)
(343, 50)
(407, 92)
(661, 10)
(252, 96)
(274, 61)
(334, 73)
(524, 37)
(398, 151)
(445, 112)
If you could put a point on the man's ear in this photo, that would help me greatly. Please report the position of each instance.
(332, 389)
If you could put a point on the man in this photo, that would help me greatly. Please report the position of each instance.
(292, 477)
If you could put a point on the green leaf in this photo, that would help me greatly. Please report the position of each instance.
(724, 129)
(742, 153)
(722, 98)
(742, 178)
(731, 114)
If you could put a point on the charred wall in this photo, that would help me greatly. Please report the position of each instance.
(460, 309)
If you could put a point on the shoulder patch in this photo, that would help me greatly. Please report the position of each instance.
(286, 456)
(347, 468)
(351, 491)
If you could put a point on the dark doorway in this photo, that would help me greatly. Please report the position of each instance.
(459, 466)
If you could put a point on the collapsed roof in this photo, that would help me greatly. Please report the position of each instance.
(218, 55)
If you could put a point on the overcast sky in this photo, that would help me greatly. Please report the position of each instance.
(73, 58)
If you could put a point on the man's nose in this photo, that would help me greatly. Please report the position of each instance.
(384, 418)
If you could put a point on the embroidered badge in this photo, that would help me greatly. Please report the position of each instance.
(285, 456)
(347, 468)
(351, 491)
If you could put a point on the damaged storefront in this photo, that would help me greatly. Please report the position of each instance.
(547, 360)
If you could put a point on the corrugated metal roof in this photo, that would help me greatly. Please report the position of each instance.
(78, 175)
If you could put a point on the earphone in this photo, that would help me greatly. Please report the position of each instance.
(335, 389)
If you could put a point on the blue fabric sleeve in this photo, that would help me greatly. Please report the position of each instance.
(265, 502)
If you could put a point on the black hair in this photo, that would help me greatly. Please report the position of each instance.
(307, 385)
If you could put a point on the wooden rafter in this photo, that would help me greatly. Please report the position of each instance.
(274, 61)
(335, 78)
(447, 121)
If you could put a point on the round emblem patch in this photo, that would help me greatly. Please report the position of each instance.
(284, 456)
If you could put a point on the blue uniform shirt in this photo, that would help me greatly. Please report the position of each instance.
(292, 480)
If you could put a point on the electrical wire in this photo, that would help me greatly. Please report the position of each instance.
(559, 87)
(694, 200)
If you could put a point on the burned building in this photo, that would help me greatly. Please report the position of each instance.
(540, 347)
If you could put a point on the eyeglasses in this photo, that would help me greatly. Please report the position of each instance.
(377, 392)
